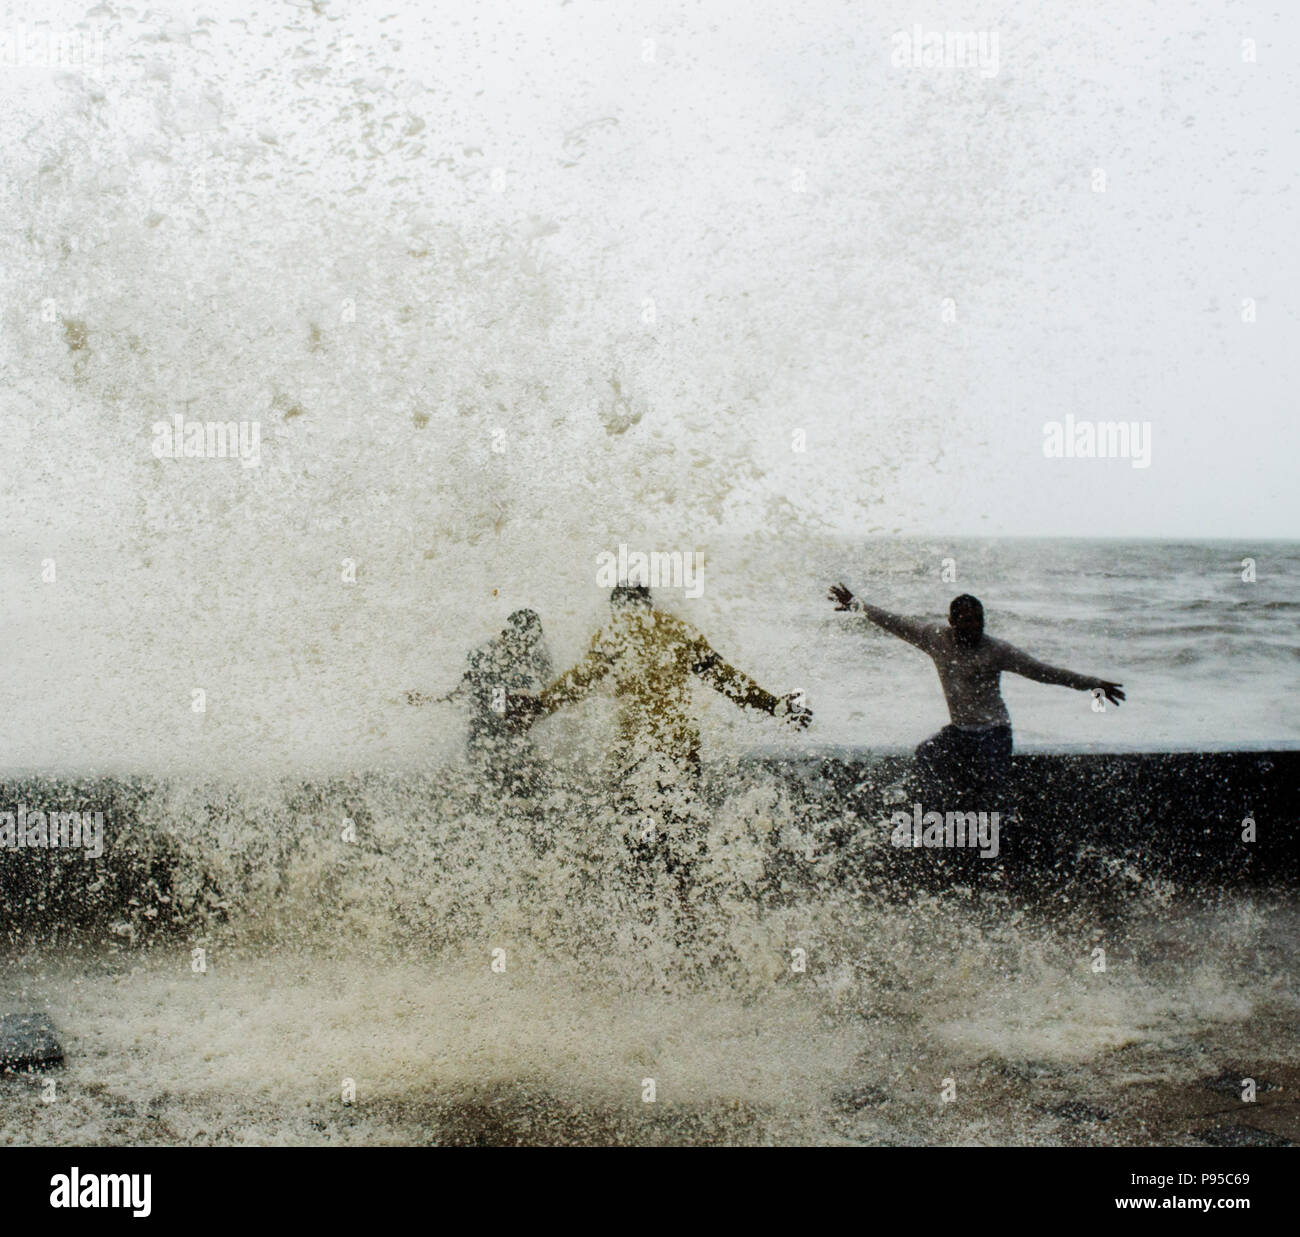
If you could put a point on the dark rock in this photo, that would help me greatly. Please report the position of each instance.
(1076, 1111)
(1241, 1136)
(1029, 1071)
(852, 1099)
(28, 1041)
(1229, 1083)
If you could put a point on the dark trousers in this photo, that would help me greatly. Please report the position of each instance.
(964, 770)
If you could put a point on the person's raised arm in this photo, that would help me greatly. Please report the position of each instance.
(1019, 662)
(914, 631)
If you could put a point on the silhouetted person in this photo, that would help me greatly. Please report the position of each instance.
(516, 660)
(652, 656)
(973, 754)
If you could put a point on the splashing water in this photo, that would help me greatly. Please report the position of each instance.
(481, 348)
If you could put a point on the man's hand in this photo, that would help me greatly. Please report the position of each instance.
(792, 709)
(841, 596)
(1112, 691)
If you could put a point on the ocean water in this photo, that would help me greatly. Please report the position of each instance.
(314, 682)
(484, 341)
(1206, 659)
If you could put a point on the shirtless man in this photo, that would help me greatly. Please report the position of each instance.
(976, 748)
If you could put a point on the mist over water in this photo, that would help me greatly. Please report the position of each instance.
(484, 340)
(499, 301)
(465, 386)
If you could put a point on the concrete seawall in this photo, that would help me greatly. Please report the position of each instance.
(1180, 815)
(1170, 815)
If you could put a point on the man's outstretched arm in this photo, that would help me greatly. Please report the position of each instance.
(576, 682)
(1019, 662)
(523, 708)
(914, 631)
(417, 697)
(737, 686)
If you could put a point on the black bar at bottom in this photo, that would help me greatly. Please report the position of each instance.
(337, 1187)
